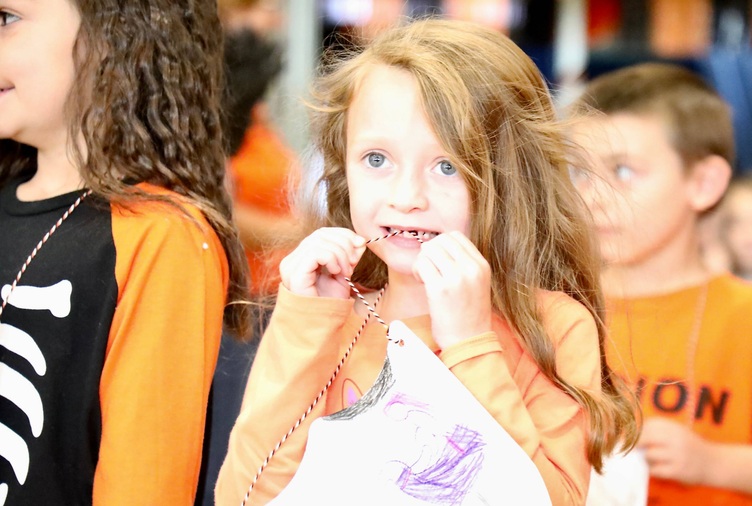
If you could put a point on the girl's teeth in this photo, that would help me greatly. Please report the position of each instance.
(414, 234)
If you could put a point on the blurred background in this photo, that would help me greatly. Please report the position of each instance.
(570, 40)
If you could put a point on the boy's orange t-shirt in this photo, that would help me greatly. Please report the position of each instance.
(651, 345)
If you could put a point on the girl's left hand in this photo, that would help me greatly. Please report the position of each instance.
(458, 286)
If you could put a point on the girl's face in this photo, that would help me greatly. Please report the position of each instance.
(398, 174)
(36, 70)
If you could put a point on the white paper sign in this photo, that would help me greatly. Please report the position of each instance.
(416, 437)
(623, 482)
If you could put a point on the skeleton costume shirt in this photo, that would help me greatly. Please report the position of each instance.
(107, 349)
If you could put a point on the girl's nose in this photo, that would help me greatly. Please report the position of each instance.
(408, 191)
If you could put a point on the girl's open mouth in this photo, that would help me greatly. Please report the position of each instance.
(423, 235)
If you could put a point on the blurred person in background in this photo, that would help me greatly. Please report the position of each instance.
(259, 167)
(260, 162)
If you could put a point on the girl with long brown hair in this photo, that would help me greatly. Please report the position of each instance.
(445, 200)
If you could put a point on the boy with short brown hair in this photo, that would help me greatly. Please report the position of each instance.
(662, 151)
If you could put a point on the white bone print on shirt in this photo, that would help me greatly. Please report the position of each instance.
(16, 388)
(55, 298)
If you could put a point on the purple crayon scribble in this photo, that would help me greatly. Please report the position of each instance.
(449, 479)
(407, 405)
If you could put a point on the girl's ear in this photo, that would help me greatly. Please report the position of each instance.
(708, 180)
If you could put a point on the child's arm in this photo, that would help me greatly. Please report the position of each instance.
(728, 466)
(548, 424)
(321, 262)
(674, 452)
(296, 357)
(163, 346)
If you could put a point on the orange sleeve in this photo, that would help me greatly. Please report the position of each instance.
(305, 333)
(293, 362)
(172, 278)
(548, 424)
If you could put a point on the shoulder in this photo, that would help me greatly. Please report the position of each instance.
(563, 316)
(169, 214)
(167, 206)
(730, 297)
(727, 285)
(574, 333)
(172, 227)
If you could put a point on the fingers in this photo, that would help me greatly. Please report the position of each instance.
(671, 450)
(457, 280)
(449, 260)
(661, 470)
(656, 431)
(652, 441)
(328, 254)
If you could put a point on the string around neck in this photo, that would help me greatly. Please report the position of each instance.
(357, 293)
(337, 369)
(39, 245)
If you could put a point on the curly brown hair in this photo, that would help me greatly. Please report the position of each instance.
(493, 113)
(146, 101)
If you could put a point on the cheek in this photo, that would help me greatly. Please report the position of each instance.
(467, 223)
(361, 211)
(357, 186)
(460, 209)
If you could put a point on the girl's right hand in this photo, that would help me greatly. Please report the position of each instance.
(321, 262)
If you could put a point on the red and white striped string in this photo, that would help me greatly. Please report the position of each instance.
(39, 245)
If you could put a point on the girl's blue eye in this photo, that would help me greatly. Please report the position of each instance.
(375, 160)
(447, 168)
(6, 18)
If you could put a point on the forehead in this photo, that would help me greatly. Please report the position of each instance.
(61, 12)
(625, 134)
(385, 101)
(377, 81)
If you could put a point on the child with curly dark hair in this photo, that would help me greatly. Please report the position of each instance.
(119, 259)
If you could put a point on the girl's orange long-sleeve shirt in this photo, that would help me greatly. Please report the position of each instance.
(307, 337)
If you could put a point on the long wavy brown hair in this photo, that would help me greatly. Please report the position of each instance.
(146, 102)
(493, 113)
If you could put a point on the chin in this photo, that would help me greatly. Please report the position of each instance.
(399, 266)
